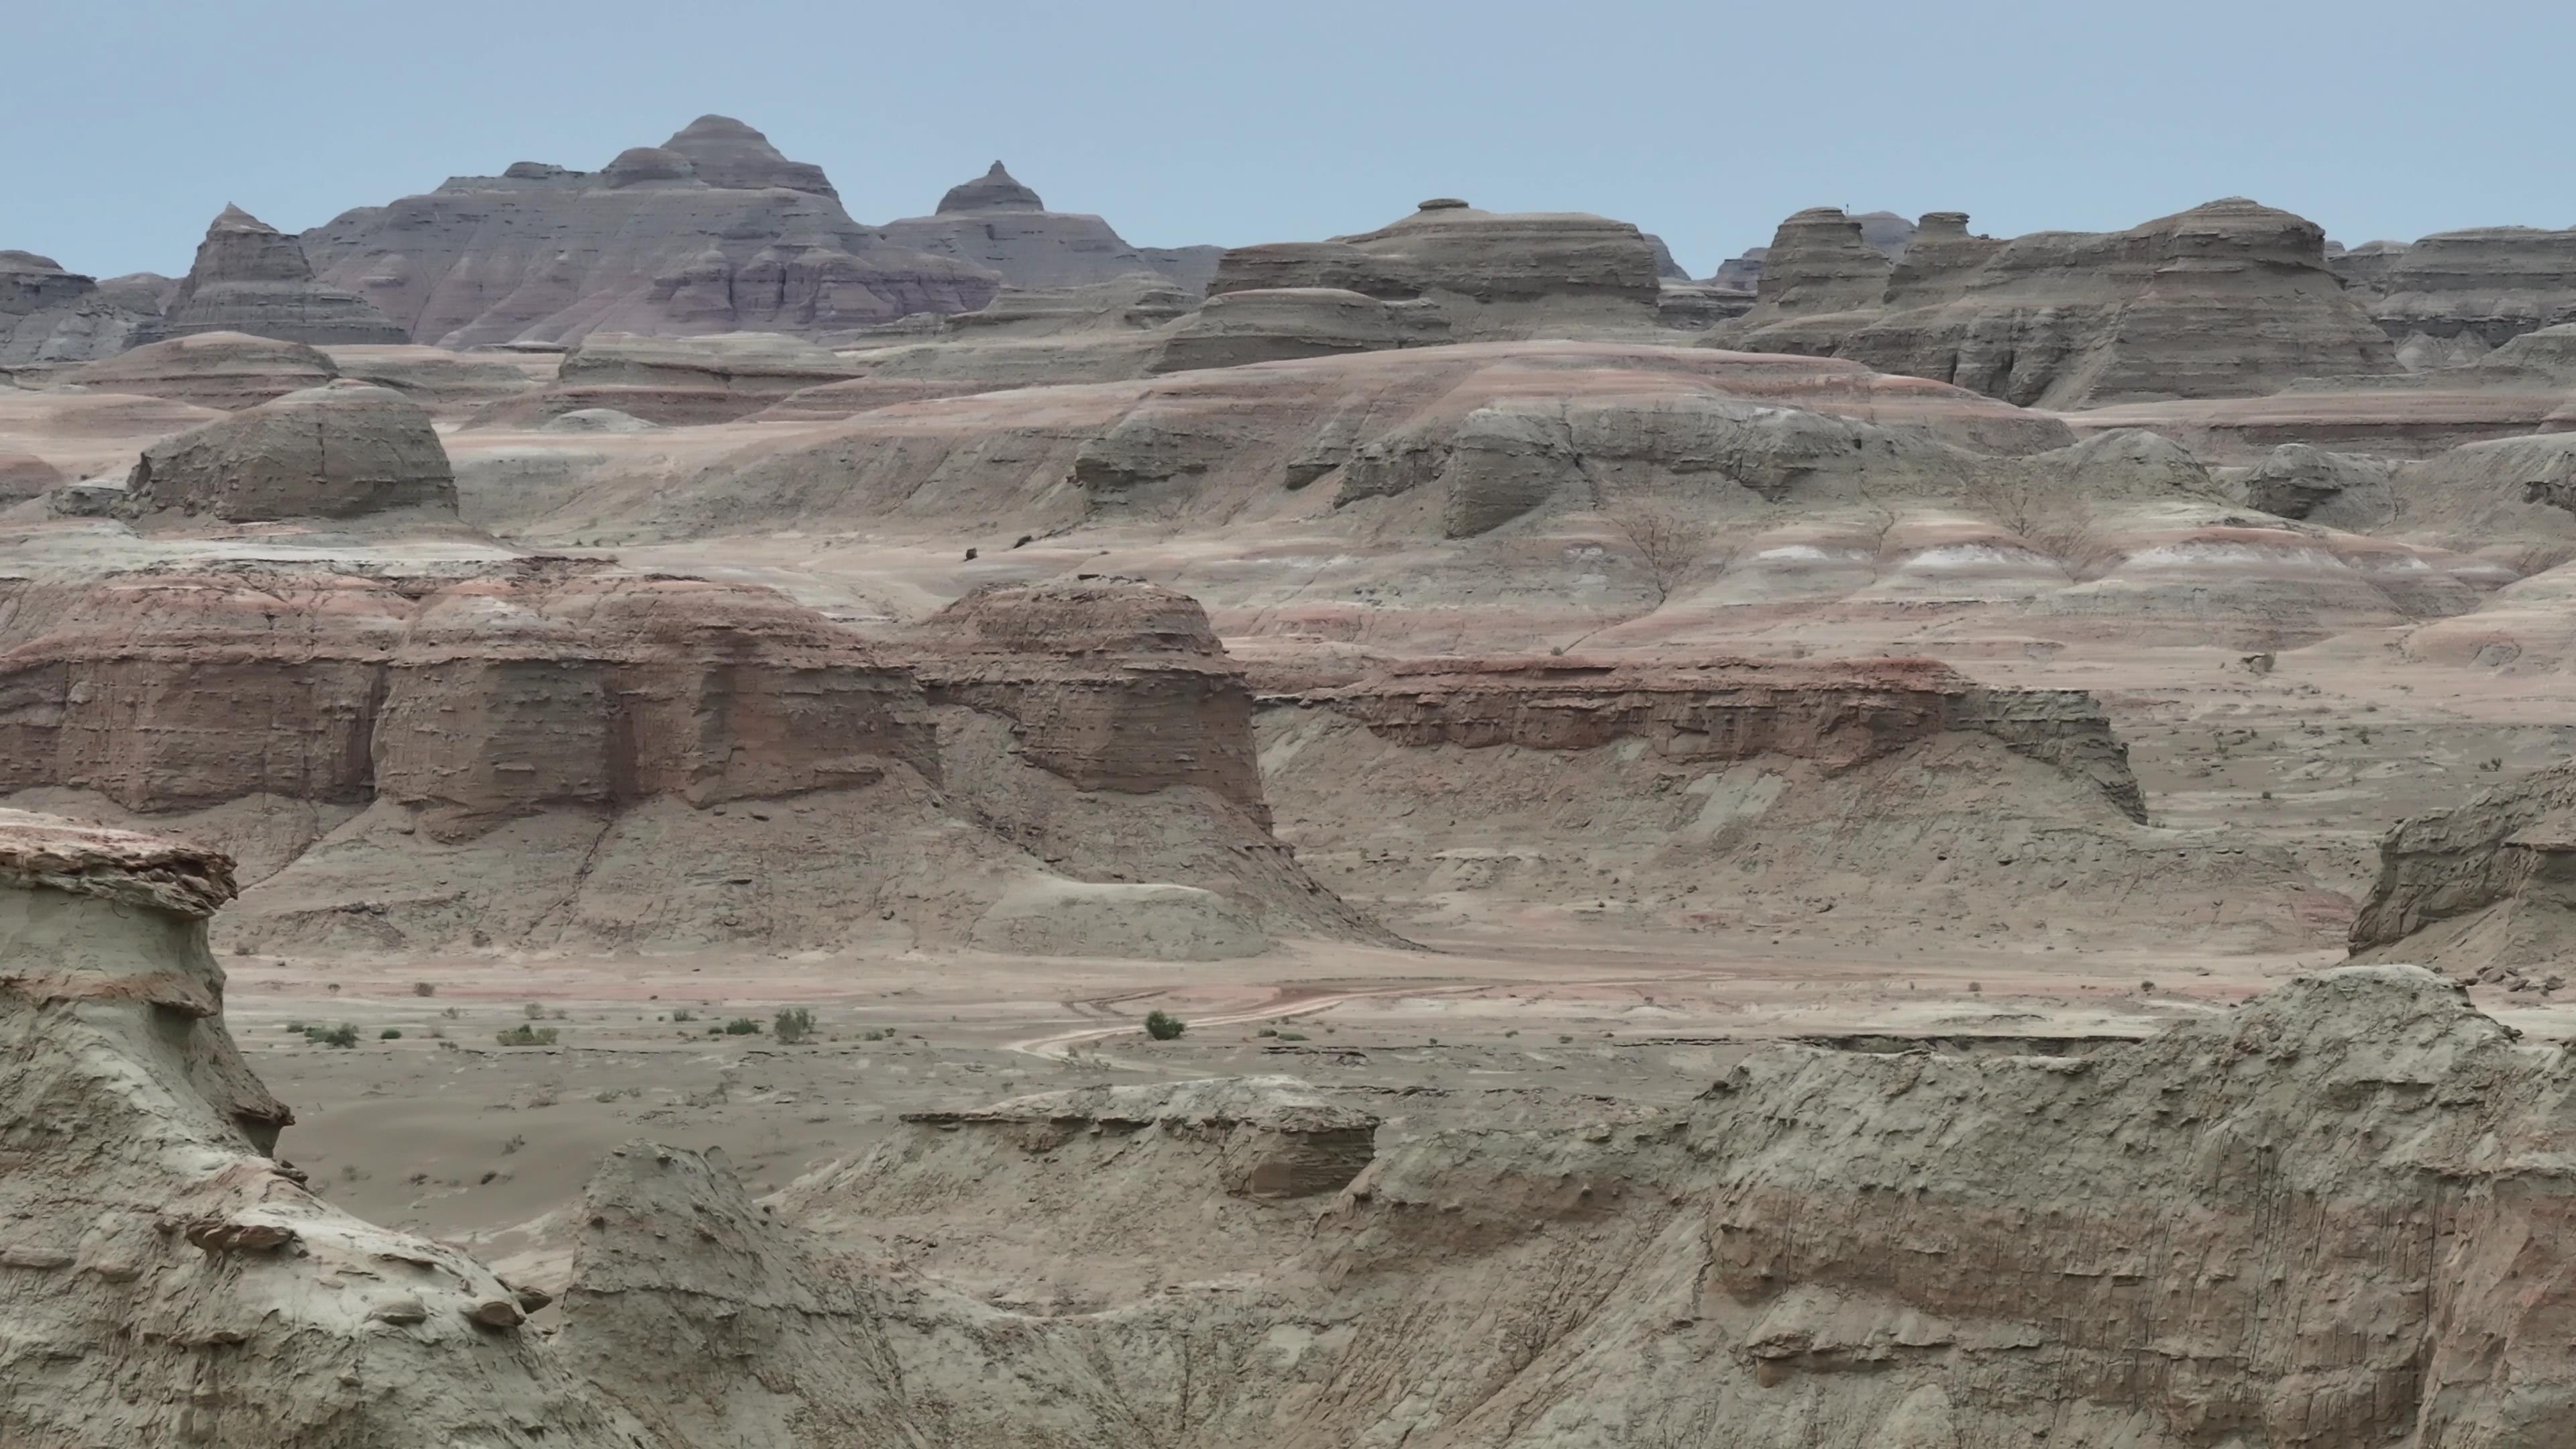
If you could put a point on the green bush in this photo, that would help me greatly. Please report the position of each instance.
(391, 1033)
(525, 1035)
(684, 1014)
(742, 1026)
(343, 1035)
(1163, 1026)
(532, 1011)
(424, 988)
(792, 1024)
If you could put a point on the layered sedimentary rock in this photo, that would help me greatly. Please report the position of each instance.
(24, 476)
(2300, 481)
(48, 314)
(156, 1232)
(1838, 715)
(343, 450)
(227, 370)
(1741, 273)
(1276, 324)
(2070, 319)
(677, 380)
(1049, 770)
(2453, 295)
(1785, 1257)
(1113, 684)
(713, 231)
(995, 222)
(2366, 268)
(1492, 274)
(250, 278)
(2490, 883)
(1212, 442)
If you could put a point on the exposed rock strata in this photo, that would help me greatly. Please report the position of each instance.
(228, 370)
(676, 381)
(2489, 883)
(341, 451)
(995, 222)
(250, 278)
(50, 315)
(2068, 319)
(1838, 715)
(154, 1231)
(2453, 295)
(713, 231)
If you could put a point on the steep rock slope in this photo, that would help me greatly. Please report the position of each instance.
(2069, 319)
(249, 278)
(995, 222)
(2488, 884)
(167, 1277)
(578, 755)
(712, 231)
(48, 314)
(2454, 295)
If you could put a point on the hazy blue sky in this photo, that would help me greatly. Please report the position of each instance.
(132, 121)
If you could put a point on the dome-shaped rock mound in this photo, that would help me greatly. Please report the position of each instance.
(1089, 614)
(24, 476)
(995, 190)
(340, 451)
(725, 152)
(228, 370)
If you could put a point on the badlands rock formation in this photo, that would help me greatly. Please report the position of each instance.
(49, 315)
(1489, 274)
(227, 370)
(344, 450)
(676, 380)
(2489, 885)
(2068, 319)
(157, 1241)
(1102, 761)
(2452, 296)
(712, 231)
(995, 222)
(249, 278)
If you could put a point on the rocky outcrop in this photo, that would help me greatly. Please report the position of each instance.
(155, 1229)
(995, 222)
(1277, 324)
(2072, 319)
(2300, 481)
(341, 451)
(1114, 684)
(228, 370)
(675, 381)
(1491, 274)
(2366, 268)
(1837, 715)
(1741, 273)
(2488, 884)
(713, 231)
(49, 315)
(24, 476)
(2453, 295)
(250, 278)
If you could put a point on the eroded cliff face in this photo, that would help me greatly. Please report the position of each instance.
(2452, 296)
(2488, 885)
(166, 1277)
(712, 231)
(2072, 319)
(1047, 770)
(2289, 1225)
(250, 278)
(1837, 715)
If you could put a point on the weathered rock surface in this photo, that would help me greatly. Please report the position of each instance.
(24, 476)
(995, 222)
(713, 231)
(154, 1230)
(1277, 324)
(228, 370)
(1837, 715)
(2300, 481)
(2488, 884)
(2453, 295)
(340, 451)
(1091, 738)
(2070, 319)
(250, 278)
(1491, 274)
(50, 315)
(676, 381)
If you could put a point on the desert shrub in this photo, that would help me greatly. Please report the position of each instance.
(526, 1035)
(792, 1024)
(343, 1035)
(1292, 1036)
(391, 1033)
(742, 1026)
(514, 1144)
(424, 988)
(1163, 1026)
(683, 1014)
(532, 1011)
